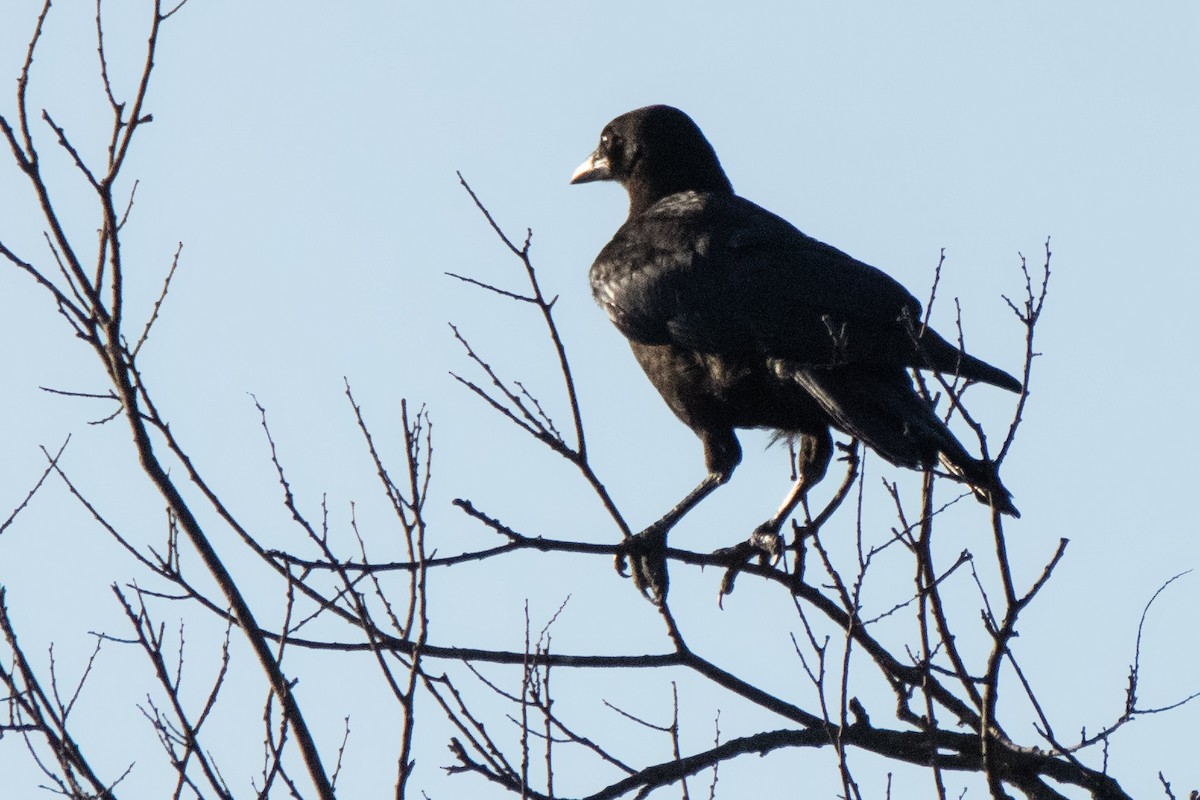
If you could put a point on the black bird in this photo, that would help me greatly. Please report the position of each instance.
(742, 321)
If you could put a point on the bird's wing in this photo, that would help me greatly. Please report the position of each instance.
(879, 407)
(720, 274)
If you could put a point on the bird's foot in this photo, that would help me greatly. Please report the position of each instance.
(643, 557)
(765, 543)
(769, 544)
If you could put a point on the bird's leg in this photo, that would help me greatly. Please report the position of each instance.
(812, 461)
(646, 551)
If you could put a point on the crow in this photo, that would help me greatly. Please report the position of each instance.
(742, 321)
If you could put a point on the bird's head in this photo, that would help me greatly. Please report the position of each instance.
(654, 152)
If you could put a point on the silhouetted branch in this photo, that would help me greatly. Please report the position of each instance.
(875, 601)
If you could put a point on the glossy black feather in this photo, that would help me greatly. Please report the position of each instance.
(741, 320)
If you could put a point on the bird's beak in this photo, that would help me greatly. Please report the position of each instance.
(595, 168)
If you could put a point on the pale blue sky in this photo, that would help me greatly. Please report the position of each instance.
(305, 153)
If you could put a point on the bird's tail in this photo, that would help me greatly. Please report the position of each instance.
(984, 481)
(979, 370)
(937, 354)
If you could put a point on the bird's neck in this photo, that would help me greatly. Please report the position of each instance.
(644, 192)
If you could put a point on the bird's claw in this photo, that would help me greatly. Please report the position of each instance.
(765, 543)
(643, 557)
